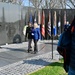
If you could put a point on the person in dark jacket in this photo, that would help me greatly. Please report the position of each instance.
(36, 36)
(29, 36)
(66, 26)
(72, 53)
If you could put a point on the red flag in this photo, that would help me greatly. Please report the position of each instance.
(43, 25)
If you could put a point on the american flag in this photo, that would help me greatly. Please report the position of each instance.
(49, 24)
(43, 24)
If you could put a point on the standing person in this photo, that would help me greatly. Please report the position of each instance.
(66, 26)
(24, 31)
(69, 45)
(29, 36)
(72, 53)
(36, 36)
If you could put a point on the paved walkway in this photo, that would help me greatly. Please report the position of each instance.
(30, 64)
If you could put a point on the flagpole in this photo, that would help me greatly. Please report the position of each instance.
(52, 32)
(28, 9)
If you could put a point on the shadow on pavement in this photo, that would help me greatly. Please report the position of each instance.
(14, 49)
(51, 43)
(36, 62)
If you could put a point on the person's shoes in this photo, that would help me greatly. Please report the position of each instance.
(35, 52)
(30, 46)
(28, 50)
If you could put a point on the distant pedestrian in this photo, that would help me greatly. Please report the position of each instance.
(29, 36)
(36, 36)
(24, 32)
(66, 26)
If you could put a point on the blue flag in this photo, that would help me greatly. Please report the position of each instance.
(31, 18)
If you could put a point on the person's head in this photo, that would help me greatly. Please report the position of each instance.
(66, 26)
(35, 25)
(29, 24)
(67, 22)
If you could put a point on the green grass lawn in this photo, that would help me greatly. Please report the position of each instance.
(55, 68)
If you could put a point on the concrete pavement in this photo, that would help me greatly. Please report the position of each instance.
(14, 59)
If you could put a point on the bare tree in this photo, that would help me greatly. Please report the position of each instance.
(70, 4)
(63, 4)
(51, 4)
(36, 3)
(13, 1)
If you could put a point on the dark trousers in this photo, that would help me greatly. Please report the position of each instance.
(29, 43)
(35, 46)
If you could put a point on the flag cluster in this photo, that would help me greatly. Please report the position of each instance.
(41, 22)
